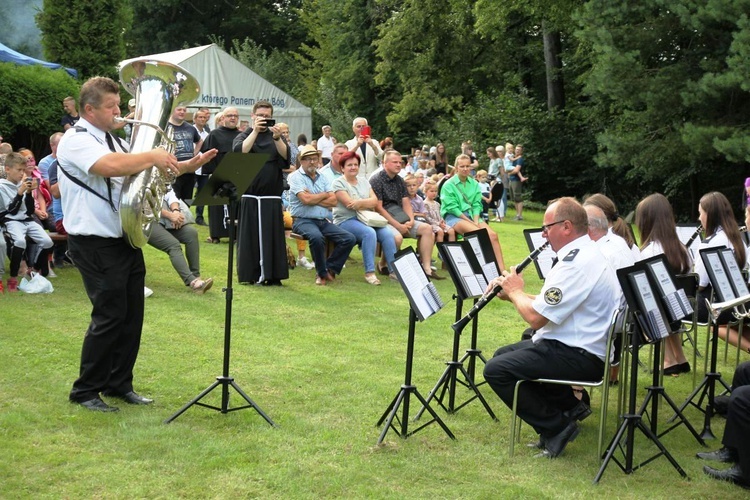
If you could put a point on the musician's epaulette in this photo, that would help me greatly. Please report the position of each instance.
(571, 255)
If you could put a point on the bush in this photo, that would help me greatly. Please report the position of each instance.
(31, 104)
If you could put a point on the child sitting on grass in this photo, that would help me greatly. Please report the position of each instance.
(16, 214)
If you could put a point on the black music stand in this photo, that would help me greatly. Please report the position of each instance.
(469, 280)
(424, 301)
(730, 288)
(231, 178)
(651, 324)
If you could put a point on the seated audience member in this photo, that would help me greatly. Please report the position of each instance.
(417, 202)
(334, 168)
(395, 206)
(301, 259)
(169, 234)
(41, 195)
(16, 214)
(736, 449)
(571, 316)
(432, 214)
(311, 200)
(352, 194)
(656, 225)
(59, 259)
(461, 205)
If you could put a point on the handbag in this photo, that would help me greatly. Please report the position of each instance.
(37, 284)
(184, 210)
(397, 212)
(371, 218)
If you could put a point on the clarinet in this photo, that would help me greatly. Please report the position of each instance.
(459, 325)
(697, 233)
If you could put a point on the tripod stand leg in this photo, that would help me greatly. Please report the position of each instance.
(193, 401)
(651, 436)
(252, 403)
(682, 418)
(474, 388)
(443, 381)
(612, 447)
(390, 412)
(434, 415)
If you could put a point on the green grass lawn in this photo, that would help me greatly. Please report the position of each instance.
(323, 363)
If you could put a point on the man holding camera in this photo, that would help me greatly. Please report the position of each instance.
(261, 246)
(365, 146)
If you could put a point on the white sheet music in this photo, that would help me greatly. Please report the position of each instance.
(464, 270)
(490, 271)
(544, 260)
(651, 307)
(722, 284)
(684, 233)
(413, 280)
(474, 242)
(668, 291)
(734, 272)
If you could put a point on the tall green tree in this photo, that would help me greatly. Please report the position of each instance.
(85, 34)
(166, 25)
(339, 63)
(670, 79)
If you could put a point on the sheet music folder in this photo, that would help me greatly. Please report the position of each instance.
(466, 272)
(422, 294)
(237, 169)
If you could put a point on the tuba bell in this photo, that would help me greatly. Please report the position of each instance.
(158, 87)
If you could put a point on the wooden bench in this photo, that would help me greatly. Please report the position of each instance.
(57, 237)
(329, 244)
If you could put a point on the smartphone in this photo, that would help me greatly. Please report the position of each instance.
(366, 130)
(270, 122)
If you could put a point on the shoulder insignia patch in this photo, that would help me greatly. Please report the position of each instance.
(553, 296)
(571, 255)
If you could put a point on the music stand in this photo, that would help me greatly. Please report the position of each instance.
(233, 175)
(652, 325)
(469, 280)
(543, 263)
(424, 301)
(730, 288)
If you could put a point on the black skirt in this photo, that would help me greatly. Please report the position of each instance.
(261, 246)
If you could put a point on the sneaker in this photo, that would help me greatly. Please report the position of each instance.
(200, 286)
(147, 292)
(12, 285)
(51, 273)
(303, 262)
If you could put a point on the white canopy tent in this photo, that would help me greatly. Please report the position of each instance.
(226, 82)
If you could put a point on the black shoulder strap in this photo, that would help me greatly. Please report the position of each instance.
(85, 186)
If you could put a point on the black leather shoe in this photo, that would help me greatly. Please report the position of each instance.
(130, 397)
(554, 446)
(578, 412)
(732, 474)
(97, 404)
(724, 455)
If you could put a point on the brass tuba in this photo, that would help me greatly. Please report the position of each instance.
(158, 87)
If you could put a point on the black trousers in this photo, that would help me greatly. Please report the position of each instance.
(737, 430)
(113, 274)
(541, 405)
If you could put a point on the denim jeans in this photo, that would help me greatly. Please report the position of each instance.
(317, 231)
(367, 237)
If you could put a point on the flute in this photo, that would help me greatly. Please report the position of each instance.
(459, 325)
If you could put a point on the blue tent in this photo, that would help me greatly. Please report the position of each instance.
(9, 55)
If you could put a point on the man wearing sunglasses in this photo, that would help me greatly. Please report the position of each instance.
(571, 316)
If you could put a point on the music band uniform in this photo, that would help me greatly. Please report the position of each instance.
(578, 298)
(113, 272)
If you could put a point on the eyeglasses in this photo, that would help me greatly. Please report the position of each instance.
(545, 227)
